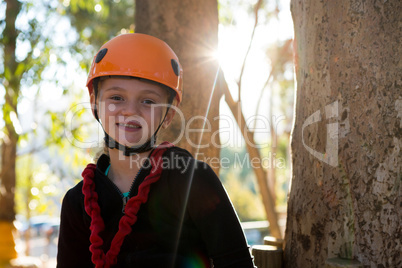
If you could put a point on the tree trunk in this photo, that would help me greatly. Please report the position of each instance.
(190, 27)
(345, 198)
(11, 82)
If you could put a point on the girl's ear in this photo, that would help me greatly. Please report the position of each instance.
(92, 101)
(169, 117)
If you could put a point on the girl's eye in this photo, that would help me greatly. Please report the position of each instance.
(117, 98)
(148, 102)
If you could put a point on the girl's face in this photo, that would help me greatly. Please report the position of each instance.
(131, 110)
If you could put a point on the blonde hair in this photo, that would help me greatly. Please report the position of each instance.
(100, 151)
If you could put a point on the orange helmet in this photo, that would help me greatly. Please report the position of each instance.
(138, 55)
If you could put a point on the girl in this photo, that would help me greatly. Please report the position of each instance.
(143, 205)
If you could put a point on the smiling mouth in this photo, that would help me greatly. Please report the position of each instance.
(133, 125)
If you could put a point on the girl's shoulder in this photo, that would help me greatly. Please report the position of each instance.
(75, 191)
(176, 150)
(74, 199)
(177, 154)
(181, 161)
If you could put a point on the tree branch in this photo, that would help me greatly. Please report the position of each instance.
(256, 8)
(271, 73)
(268, 201)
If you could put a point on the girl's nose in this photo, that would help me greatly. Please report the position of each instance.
(131, 108)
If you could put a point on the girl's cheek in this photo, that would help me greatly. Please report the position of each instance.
(153, 114)
(111, 107)
(154, 110)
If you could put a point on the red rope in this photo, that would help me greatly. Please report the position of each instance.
(99, 258)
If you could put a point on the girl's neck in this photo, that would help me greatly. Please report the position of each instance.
(125, 168)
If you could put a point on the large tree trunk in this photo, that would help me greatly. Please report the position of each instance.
(190, 27)
(345, 198)
(11, 82)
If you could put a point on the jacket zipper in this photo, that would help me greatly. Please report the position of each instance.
(125, 198)
(120, 193)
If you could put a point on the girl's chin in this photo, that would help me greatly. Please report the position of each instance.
(132, 142)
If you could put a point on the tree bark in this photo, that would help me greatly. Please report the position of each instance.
(11, 82)
(190, 27)
(345, 198)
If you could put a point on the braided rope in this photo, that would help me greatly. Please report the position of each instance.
(99, 258)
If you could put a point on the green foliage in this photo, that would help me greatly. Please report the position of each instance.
(241, 170)
(239, 180)
(238, 165)
(35, 82)
(46, 161)
(247, 204)
(97, 27)
(281, 164)
(36, 188)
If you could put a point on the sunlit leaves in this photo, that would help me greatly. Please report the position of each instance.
(97, 21)
(35, 58)
(247, 204)
(37, 188)
(20, 69)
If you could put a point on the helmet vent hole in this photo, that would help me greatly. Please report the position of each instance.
(175, 66)
(100, 55)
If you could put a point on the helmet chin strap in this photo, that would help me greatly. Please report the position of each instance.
(113, 144)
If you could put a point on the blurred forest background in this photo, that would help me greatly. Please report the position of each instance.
(47, 130)
(345, 198)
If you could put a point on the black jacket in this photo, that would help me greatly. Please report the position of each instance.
(188, 220)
